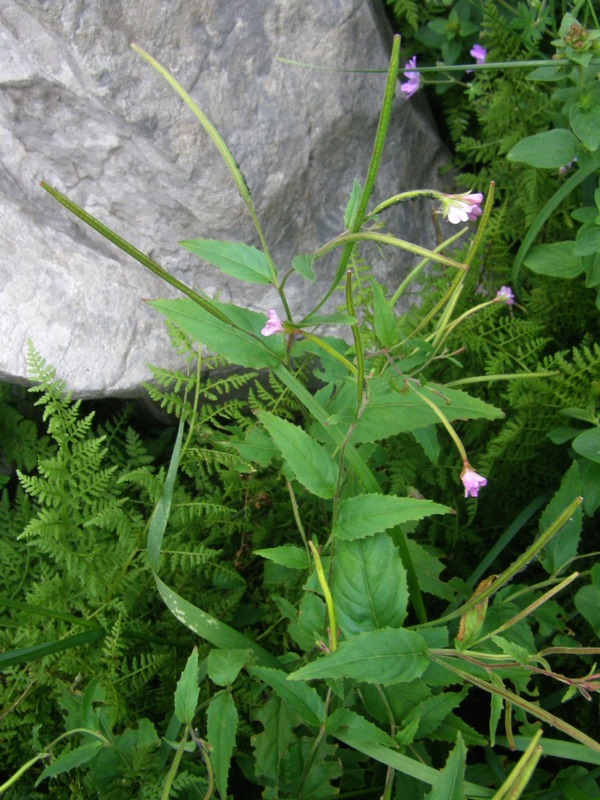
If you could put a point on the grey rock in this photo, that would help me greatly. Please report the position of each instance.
(80, 110)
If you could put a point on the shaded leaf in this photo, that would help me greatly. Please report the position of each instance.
(310, 462)
(369, 585)
(384, 656)
(367, 514)
(288, 555)
(188, 689)
(551, 149)
(221, 723)
(301, 697)
(451, 784)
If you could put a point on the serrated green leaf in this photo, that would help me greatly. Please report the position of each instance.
(74, 758)
(240, 260)
(433, 711)
(548, 150)
(393, 408)
(242, 345)
(310, 462)
(300, 697)
(451, 784)
(369, 585)
(344, 719)
(223, 666)
(384, 656)
(366, 514)
(288, 555)
(221, 725)
(304, 266)
(272, 744)
(188, 690)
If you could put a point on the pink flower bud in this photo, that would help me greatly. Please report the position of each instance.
(506, 294)
(274, 324)
(472, 481)
(413, 84)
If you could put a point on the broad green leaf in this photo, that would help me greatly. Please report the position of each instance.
(384, 321)
(587, 444)
(588, 241)
(255, 446)
(587, 602)
(366, 514)
(584, 117)
(451, 784)
(310, 462)
(393, 408)
(74, 758)
(288, 555)
(188, 690)
(271, 745)
(344, 719)
(304, 266)
(564, 546)
(558, 260)
(244, 262)
(384, 656)
(308, 769)
(301, 697)
(428, 569)
(433, 711)
(550, 150)
(223, 666)
(239, 342)
(221, 724)
(369, 585)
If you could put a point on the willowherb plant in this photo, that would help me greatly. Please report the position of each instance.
(369, 664)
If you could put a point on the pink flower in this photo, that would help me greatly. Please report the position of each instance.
(506, 294)
(413, 84)
(472, 481)
(274, 324)
(479, 53)
(459, 208)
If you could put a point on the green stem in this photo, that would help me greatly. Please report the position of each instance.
(224, 151)
(358, 348)
(333, 640)
(166, 791)
(519, 564)
(380, 137)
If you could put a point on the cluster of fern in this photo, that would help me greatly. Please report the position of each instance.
(79, 603)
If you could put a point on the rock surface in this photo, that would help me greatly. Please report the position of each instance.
(80, 110)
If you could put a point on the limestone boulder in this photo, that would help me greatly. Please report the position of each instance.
(82, 111)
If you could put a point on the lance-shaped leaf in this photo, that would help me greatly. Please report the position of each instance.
(367, 514)
(386, 656)
(451, 785)
(244, 262)
(393, 408)
(239, 341)
(188, 689)
(221, 724)
(309, 461)
(299, 696)
(369, 585)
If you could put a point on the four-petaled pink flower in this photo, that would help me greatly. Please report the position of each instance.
(506, 294)
(479, 53)
(459, 208)
(472, 481)
(413, 84)
(274, 324)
